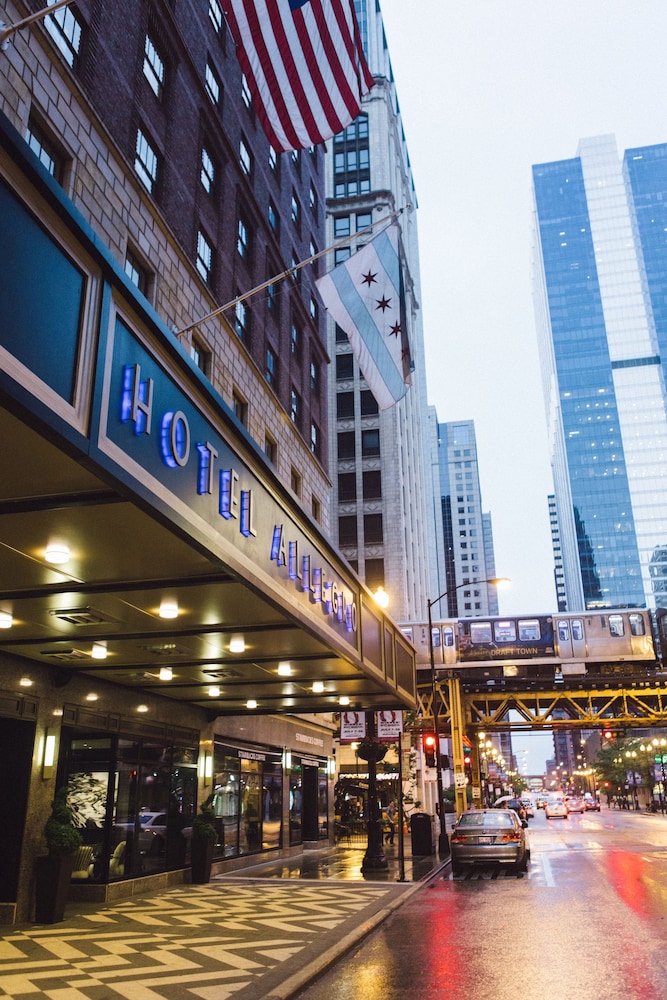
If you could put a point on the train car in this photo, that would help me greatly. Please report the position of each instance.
(592, 642)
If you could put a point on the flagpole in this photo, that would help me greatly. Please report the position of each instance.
(9, 29)
(288, 272)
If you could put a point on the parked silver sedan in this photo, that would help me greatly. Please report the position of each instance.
(489, 837)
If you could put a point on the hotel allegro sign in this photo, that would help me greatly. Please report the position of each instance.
(156, 424)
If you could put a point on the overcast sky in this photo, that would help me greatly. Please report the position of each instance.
(486, 90)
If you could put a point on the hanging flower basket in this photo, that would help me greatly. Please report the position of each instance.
(371, 749)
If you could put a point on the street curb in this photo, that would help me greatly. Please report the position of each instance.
(301, 979)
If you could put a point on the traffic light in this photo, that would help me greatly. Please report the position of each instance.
(613, 734)
(429, 743)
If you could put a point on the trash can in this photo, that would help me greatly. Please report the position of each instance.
(421, 830)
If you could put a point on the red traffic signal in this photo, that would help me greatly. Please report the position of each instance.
(613, 734)
(429, 743)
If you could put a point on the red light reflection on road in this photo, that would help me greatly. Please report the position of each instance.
(628, 874)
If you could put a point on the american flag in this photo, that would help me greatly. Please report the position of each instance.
(305, 66)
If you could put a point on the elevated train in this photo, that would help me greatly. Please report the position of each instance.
(602, 643)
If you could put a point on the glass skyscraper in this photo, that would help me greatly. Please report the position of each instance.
(601, 307)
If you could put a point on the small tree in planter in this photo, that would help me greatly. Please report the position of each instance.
(204, 836)
(53, 873)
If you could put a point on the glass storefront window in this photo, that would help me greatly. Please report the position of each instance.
(247, 800)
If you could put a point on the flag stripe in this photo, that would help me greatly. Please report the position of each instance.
(305, 66)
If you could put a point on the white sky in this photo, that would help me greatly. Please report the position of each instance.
(487, 89)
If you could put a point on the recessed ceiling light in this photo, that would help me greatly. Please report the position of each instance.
(92, 696)
(6, 619)
(214, 691)
(26, 682)
(168, 608)
(57, 553)
(166, 674)
(237, 644)
(99, 651)
(343, 700)
(284, 669)
(251, 703)
(318, 687)
(142, 708)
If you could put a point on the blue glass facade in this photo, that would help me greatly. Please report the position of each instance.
(594, 487)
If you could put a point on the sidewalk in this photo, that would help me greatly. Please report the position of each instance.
(259, 934)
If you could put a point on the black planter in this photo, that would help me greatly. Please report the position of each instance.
(202, 858)
(52, 879)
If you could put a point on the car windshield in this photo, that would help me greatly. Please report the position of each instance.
(500, 819)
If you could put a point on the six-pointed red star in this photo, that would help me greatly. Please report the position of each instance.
(383, 303)
(369, 279)
(395, 330)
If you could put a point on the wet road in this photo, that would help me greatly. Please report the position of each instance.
(588, 921)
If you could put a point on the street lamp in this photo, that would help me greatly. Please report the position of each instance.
(457, 751)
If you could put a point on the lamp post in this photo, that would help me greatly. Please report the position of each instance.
(457, 751)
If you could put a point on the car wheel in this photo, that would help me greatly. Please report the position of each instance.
(522, 866)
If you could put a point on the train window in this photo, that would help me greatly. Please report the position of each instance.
(563, 631)
(577, 629)
(435, 638)
(448, 635)
(637, 625)
(504, 631)
(480, 632)
(529, 629)
(408, 632)
(616, 626)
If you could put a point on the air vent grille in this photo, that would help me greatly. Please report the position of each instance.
(82, 616)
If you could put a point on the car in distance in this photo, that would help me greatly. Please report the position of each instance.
(574, 804)
(528, 806)
(489, 837)
(555, 808)
(591, 804)
(151, 828)
(541, 801)
(511, 802)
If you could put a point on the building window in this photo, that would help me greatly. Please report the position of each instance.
(346, 446)
(45, 150)
(344, 405)
(294, 209)
(312, 200)
(314, 378)
(363, 220)
(315, 440)
(240, 406)
(215, 13)
(347, 487)
(273, 158)
(344, 367)
(241, 320)
(373, 534)
(342, 226)
(270, 449)
(370, 443)
(201, 356)
(315, 508)
(295, 482)
(295, 408)
(271, 370)
(246, 96)
(295, 341)
(369, 404)
(272, 297)
(372, 485)
(352, 160)
(313, 309)
(374, 573)
(245, 158)
(273, 217)
(347, 530)
(65, 30)
(136, 272)
(145, 161)
(341, 254)
(212, 84)
(242, 239)
(204, 256)
(341, 336)
(153, 67)
(207, 173)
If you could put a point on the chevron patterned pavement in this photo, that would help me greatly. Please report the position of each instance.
(230, 938)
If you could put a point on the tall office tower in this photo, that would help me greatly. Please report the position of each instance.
(559, 576)
(378, 458)
(601, 270)
(467, 557)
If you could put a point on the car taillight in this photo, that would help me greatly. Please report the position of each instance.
(458, 838)
(511, 837)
